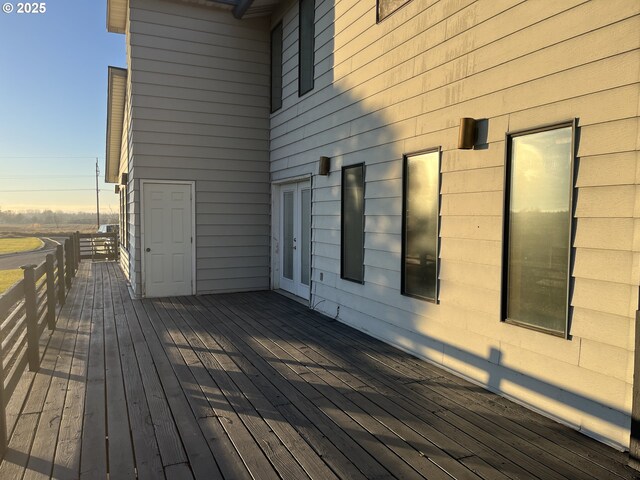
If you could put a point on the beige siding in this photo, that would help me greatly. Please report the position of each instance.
(401, 86)
(200, 106)
(128, 266)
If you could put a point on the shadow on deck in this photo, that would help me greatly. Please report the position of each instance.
(257, 386)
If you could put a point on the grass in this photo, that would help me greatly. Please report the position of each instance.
(13, 245)
(8, 278)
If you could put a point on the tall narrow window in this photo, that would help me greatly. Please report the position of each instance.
(420, 222)
(538, 229)
(124, 217)
(276, 68)
(306, 46)
(387, 7)
(352, 264)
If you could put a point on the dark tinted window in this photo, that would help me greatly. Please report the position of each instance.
(353, 223)
(276, 68)
(124, 217)
(306, 46)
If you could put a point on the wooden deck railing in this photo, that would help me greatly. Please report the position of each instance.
(98, 246)
(26, 310)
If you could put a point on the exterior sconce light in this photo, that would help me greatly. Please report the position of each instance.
(124, 179)
(467, 136)
(117, 189)
(324, 166)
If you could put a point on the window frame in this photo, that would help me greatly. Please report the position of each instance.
(506, 217)
(403, 251)
(279, 26)
(378, 19)
(342, 223)
(313, 50)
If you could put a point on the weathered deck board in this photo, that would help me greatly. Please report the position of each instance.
(254, 385)
(353, 390)
(147, 453)
(93, 456)
(509, 416)
(166, 433)
(426, 376)
(178, 395)
(120, 451)
(398, 457)
(68, 446)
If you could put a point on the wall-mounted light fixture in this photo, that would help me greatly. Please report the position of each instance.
(124, 179)
(324, 166)
(117, 189)
(467, 135)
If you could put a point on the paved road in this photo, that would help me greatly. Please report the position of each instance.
(16, 260)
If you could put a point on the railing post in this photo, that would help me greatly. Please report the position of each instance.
(68, 264)
(51, 293)
(3, 415)
(77, 249)
(61, 275)
(72, 256)
(31, 310)
(76, 256)
(72, 241)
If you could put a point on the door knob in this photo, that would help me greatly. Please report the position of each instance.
(148, 249)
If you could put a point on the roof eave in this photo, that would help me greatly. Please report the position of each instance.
(117, 16)
(115, 122)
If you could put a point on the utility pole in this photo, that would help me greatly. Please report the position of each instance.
(97, 194)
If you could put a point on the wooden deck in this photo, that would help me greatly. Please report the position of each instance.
(257, 386)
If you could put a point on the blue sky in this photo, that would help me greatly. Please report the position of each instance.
(53, 88)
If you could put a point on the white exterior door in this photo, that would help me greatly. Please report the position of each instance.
(167, 239)
(295, 238)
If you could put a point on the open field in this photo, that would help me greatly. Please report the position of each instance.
(45, 229)
(15, 245)
(8, 278)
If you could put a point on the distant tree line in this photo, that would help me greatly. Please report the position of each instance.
(57, 218)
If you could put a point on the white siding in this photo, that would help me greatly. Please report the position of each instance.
(200, 111)
(401, 86)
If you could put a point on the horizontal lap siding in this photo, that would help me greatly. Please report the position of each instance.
(130, 254)
(401, 86)
(200, 108)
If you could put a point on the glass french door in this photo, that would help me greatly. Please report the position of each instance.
(295, 238)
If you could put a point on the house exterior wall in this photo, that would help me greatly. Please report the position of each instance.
(125, 168)
(401, 86)
(200, 111)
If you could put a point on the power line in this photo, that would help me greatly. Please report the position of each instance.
(45, 157)
(29, 177)
(50, 190)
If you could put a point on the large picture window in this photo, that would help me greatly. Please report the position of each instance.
(276, 68)
(306, 46)
(352, 254)
(538, 228)
(387, 7)
(420, 223)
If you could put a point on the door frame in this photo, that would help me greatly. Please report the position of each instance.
(276, 214)
(143, 272)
